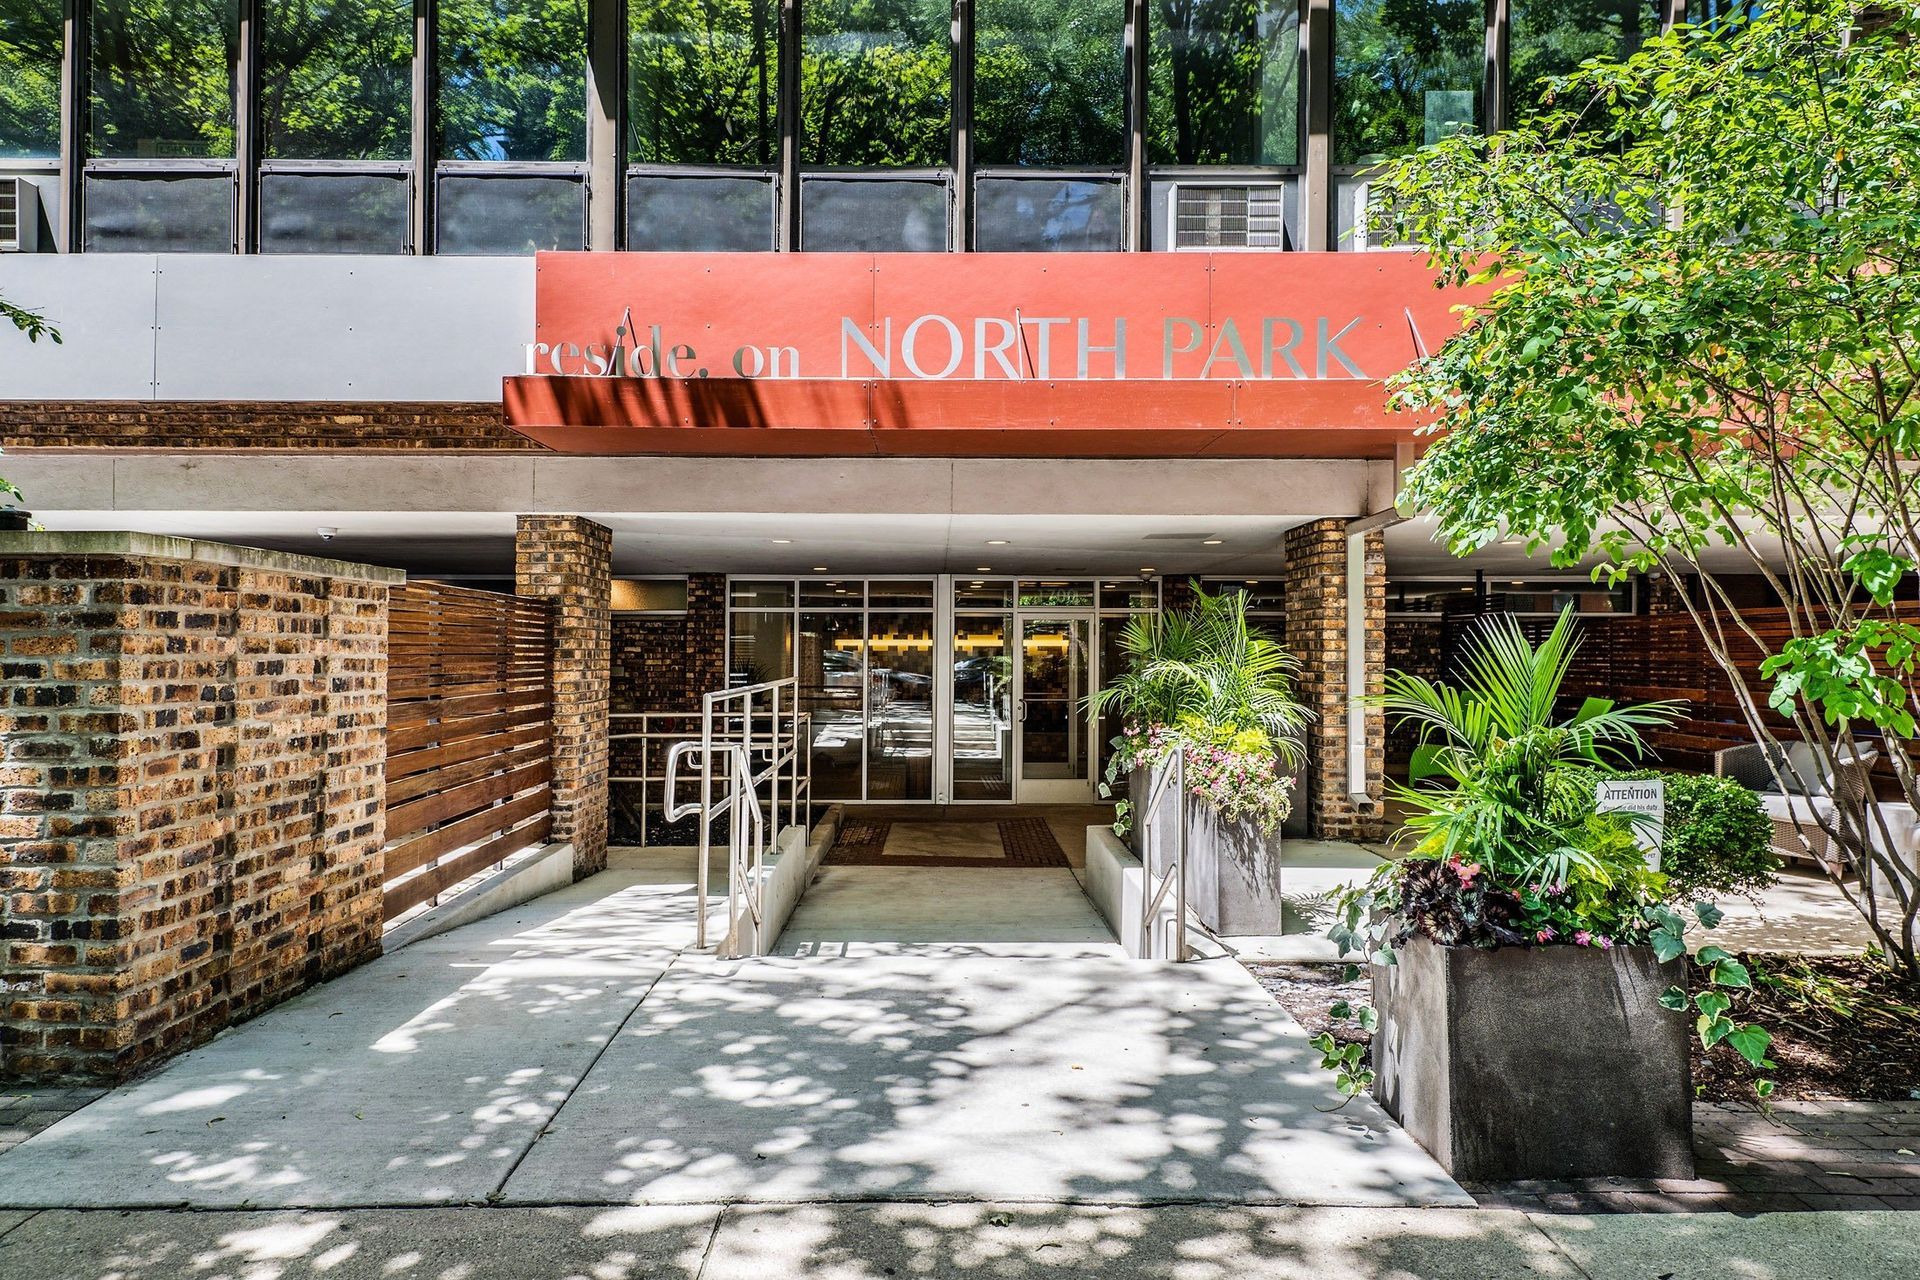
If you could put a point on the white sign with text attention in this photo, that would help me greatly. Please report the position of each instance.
(1646, 799)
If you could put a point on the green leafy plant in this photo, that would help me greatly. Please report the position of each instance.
(1696, 354)
(1206, 679)
(1717, 840)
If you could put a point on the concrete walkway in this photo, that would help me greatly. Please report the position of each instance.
(574, 1051)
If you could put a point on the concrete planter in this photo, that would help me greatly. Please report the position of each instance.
(1549, 1062)
(1233, 871)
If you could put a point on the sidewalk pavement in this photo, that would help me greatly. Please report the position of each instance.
(858, 1241)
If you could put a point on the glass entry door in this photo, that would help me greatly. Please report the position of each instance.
(1053, 745)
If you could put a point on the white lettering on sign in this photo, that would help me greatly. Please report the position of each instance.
(1018, 347)
(1645, 804)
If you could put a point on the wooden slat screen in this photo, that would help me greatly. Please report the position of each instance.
(469, 735)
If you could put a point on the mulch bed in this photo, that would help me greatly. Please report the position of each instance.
(1843, 1027)
(1024, 842)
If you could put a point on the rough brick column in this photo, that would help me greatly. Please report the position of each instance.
(1317, 633)
(706, 635)
(192, 753)
(569, 561)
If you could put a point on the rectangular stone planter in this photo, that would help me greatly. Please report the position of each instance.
(1233, 871)
(1547, 1062)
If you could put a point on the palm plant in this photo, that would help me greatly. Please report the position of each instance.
(1207, 666)
(1513, 805)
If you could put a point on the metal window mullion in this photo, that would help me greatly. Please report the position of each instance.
(1494, 106)
(1138, 214)
(606, 119)
(422, 145)
(68, 236)
(1316, 76)
(246, 129)
(787, 110)
(960, 128)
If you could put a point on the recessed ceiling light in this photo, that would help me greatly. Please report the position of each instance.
(983, 568)
(996, 542)
(819, 568)
(781, 542)
(1148, 569)
(1516, 583)
(1211, 542)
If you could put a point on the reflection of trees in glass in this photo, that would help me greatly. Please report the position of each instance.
(1551, 37)
(875, 85)
(1049, 82)
(1405, 72)
(513, 79)
(162, 82)
(703, 79)
(1223, 82)
(336, 79)
(30, 78)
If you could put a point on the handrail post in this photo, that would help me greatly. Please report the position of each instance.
(1180, 857)
(706, 820)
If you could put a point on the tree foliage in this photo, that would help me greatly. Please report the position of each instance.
(1223, 82)
(30, 78)
(1700, 353)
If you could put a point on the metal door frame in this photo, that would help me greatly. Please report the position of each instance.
(1051, 791)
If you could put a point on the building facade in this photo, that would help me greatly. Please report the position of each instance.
(906, 347)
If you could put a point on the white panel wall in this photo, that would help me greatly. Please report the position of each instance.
(222, 327)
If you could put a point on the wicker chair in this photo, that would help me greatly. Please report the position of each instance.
(1806, 821)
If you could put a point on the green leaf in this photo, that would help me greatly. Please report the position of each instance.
(1709, 956)
(1712, 1004)
(1708, 915)
(1668, 945)
(1731, 973)
(1713, 1029)
(1674, 998)
(1751, 1043)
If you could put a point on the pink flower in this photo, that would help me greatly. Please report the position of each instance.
(1604, 943)
(1582, 938)
(1545, 935)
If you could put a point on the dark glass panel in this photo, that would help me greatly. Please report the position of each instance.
(836, 593)
(760, 595)
(336, 79)
(901, 594)
(162, 77)
(512, 79)
(128, 213)
(1549, 38)
(699, 214)
(333, 213)
(30, 41)
(762, 648)
(703, 81)
(1034, 214)
(476, 214)
(982, 707)
(832, 678)
(1405, 73)
(869, 216)
(900, 706)
(1049, 82)
(1223, 82)
(875, 83)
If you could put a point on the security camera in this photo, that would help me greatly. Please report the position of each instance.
(326, 532)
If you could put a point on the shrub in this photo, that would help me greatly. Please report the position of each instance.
(1718, 839)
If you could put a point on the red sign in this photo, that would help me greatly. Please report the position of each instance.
(1049, 354)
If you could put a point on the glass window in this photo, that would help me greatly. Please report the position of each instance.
(1047, 215)
(162, 78)
(703, 214)
(333, 213)
(982, 707)
(762, 648)
(336, 79)
(484, 214)
(1404, 74)
(1550, 38)
(1129, 594)
(760, 595)
(832, 680)
(977, 593)
(816, 593)
(150, 213)
(913, 594)
(512, 79)
(703, 81)
(1049, 82)
(1223, 82)
(875, 82)
(30, 43)
(900, 706)
(869, 215)
(1049, 593)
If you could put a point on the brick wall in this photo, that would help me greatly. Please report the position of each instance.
(569, 560)
(191, 757)
(252, 424)
(1316, 555)
(662, 663)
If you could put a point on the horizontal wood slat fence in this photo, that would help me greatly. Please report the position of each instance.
(469, 736)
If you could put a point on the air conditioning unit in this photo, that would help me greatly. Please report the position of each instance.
(19, 216)
(1214, 216)
(1373, 222)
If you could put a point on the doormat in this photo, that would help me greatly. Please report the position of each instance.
(1022, 842)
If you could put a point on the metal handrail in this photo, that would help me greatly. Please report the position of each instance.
(732, 737)
(1173, 876)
